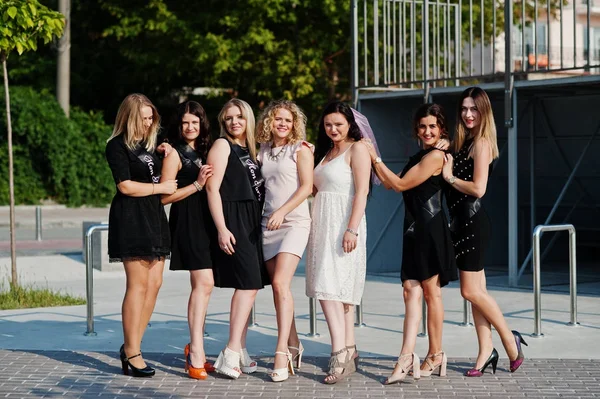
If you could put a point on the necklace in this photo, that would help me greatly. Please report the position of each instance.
(275, 157)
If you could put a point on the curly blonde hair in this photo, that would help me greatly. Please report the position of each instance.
(264, 128)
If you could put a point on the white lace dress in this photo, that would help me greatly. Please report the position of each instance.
(332, 274)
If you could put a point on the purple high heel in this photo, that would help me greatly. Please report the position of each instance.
(515, 364)
(493, 360)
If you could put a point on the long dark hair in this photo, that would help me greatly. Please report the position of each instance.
(431, 109)
(324, 143)
(204, 140)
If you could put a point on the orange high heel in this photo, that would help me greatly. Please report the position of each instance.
(193, 372)
(208, 366)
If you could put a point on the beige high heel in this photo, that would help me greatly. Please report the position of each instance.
(278, 375)
(297, 358)
(431, 367)
(414, 366)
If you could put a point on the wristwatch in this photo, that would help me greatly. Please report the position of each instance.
(377, 160)
(452, 180)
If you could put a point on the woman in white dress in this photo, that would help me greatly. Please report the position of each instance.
(337, 255)
(287, 167)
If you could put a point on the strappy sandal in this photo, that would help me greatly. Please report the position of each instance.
(431, 366)
(297, 358)
(282, 374)
(333, 375)
(399, 377)
(355, 356)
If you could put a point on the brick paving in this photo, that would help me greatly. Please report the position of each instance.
(51, 374)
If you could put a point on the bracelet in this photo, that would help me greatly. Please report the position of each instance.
(451, 180)
(197, 185)
(349, 230)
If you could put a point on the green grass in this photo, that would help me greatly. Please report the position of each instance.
(20, 297)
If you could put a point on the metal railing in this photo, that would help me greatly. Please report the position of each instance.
(415, 44)
(38, 223)
(89, 275)
(537, 286)
(312, 310)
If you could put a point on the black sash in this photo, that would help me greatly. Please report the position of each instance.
(256, 180)
(148, 160)
(189, 154)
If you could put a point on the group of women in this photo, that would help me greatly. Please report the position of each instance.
(239, 218)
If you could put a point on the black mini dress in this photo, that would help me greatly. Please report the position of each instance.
(469, 223)
(189, 219)
(427, 244)
(137, 226)
(245, 269)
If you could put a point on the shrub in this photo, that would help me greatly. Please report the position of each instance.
(54, 157)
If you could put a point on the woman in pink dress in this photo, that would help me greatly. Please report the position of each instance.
(287, 167)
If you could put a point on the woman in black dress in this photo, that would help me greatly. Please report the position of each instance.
(476, 148)
(190, 222)
(235, 197)
(138, 231)
(427, 255)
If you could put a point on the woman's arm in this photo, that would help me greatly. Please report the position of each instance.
(482, 156)
(171, 166)
(218, 157)
(360, 162)
(304, 164)
(430, 165)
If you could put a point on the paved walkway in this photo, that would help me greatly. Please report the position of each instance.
(93, 374)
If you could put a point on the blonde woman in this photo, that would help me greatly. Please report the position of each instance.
(475, 147)
(235, 198)
(287, 166)
(138, 231)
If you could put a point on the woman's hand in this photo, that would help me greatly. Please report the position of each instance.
(206, 171)
(167, 187)
(275, 220)
(226, 242)
(164, 148)
(349, 242)
(448, 165)
(442, 144)
(369, 144)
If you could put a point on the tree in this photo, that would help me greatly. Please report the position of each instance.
(24, 22)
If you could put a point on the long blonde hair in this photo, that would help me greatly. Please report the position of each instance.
(487, 127)
(264, 129)
(130, 122)
(248, 115)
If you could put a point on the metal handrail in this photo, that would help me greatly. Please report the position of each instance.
(537, 293)
(467, 312)
(312, 310)
(423, 333)
(89, 275)
(252, 319)
(359, 315)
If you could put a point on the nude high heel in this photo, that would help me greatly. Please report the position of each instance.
(414, 366)
(431, 367)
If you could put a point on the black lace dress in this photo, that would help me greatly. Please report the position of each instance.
(137, 226)
(427, 245)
